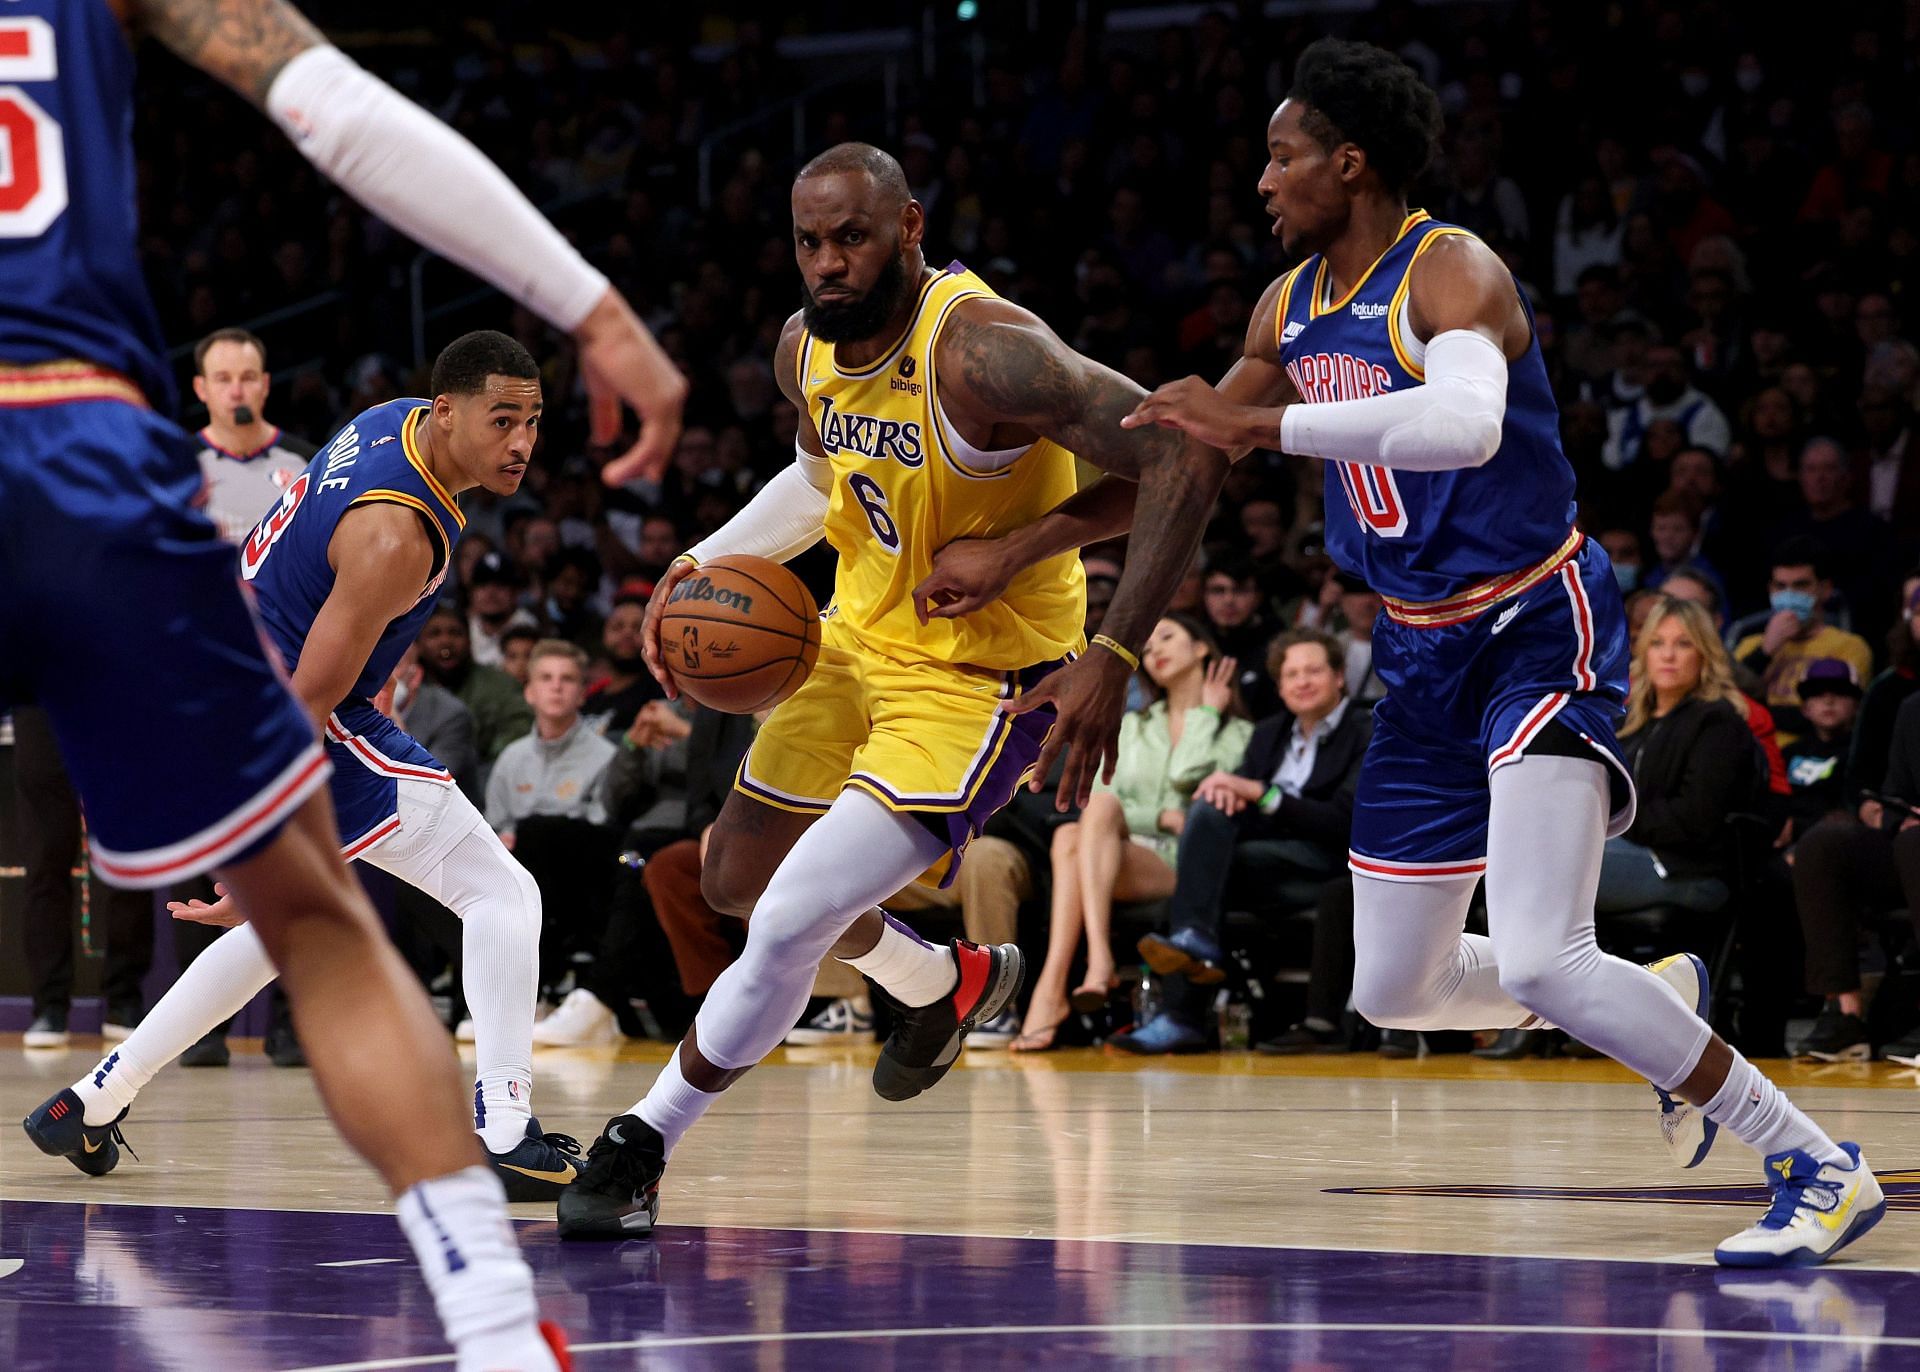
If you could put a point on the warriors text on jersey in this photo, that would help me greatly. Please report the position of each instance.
(374, 459)
(1424, 540)
(905, 484)
(69, 265)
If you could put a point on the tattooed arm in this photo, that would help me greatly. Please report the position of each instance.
(971, 573)
(437, 188)
(1006, 376)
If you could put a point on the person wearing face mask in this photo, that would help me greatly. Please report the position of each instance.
(1623, 547)
(1797, 634)
(1669, 394)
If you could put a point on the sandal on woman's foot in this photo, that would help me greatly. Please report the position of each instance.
(1091, 999)
(1042, 1040)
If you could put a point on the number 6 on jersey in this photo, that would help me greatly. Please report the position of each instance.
(872, 498)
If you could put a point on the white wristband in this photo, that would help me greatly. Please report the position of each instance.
(430, 183)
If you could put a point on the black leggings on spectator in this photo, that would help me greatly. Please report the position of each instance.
(49, 822)
(1843, 870)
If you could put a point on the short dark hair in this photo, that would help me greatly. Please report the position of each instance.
(513, 633)
(465, 364)
(1692, 571)
(880, 167)
(1802, 551)
(1684, 503)
(205, 346)
(1235, 563)
(1293, 638)
(1362, 94)
(1599, 274)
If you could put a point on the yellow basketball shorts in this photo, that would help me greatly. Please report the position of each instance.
(929, 739)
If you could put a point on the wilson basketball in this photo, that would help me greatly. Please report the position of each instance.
(740, 634)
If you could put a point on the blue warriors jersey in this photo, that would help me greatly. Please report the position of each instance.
(70, 277)
(1426, 541)
(374, 459)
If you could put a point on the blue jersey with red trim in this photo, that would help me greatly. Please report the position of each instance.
(70, 280)
(374, 459)
(1423, 536)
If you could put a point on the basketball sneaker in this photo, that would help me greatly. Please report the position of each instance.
(1817, 1210)
(579, 1020)
(926, 1039)
(1838, 1037)
(48, 1030)
(843, 1021)
(617, 1194)
(59, 1127)
(538, 1167)
(1684, 1127)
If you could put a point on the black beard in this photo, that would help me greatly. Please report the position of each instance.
(628, 666)
(243, 415)
(859, 319)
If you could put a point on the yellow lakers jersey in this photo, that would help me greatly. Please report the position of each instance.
(905, 484)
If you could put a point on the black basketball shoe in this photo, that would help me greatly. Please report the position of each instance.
(538, 1167)
(926, 1038)
(617, 1194)
(59, 1127)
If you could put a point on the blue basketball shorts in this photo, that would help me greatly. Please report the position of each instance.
(371, 757)
(1468, 697)
(124, 616)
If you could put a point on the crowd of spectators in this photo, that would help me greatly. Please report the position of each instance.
(1720, 255)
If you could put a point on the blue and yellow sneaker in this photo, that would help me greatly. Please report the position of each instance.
(59, 1127)
(539, 1167)
(1684, 1127)
(1818, 1209)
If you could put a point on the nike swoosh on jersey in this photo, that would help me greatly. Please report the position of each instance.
(538, 1175)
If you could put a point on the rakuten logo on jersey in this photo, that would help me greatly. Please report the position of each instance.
(1338, 376)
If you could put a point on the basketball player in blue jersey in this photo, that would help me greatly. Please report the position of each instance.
(345, 569)
(1401, 352)
(121, 613)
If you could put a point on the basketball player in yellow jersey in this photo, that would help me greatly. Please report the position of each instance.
(931, 410)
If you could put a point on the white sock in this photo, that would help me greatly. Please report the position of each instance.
(913, 971)
(459, 1230)
(502, 1108)
(217, 986)
(1758, 1113)
(671, 1105)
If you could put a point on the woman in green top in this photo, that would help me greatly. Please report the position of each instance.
(1123, 845)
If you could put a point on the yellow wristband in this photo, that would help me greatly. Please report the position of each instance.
(687, 558)
(1119, 650)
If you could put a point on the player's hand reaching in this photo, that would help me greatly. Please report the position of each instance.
(223, 913)
(968, 574)
(1089, 696)
(677, 571)
(624, 364)
(1194, 407)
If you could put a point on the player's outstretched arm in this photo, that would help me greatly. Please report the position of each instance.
(438, 189)
(785, 518)
(1000, 367)
(381, 562)
(971, 573)
(1463, 305)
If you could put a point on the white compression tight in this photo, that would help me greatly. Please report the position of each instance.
(853, 858)
(1415, 969)
(444, 848)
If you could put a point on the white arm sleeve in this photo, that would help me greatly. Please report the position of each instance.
(1452, 421)
(429, 182)
(785, 519)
